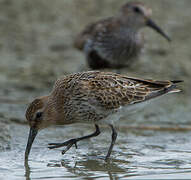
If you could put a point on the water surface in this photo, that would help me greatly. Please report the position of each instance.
(137, 154)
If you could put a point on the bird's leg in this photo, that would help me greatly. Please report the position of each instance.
(70, 142)
(113, 138)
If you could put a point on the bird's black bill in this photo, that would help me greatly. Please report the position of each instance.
(32, 134)
(154, 26)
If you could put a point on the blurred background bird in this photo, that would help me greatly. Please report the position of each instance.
(115, 42)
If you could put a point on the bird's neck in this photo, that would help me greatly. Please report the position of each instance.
(129, 24)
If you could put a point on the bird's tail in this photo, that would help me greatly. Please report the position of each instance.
(168, 88)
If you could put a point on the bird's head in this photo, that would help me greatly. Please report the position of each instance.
(136, 15)
(36, 116)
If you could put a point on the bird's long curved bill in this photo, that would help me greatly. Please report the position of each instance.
(154, 26)
(32, 134)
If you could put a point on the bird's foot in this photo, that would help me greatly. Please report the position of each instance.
(68, 143)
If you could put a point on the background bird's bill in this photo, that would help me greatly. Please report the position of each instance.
(154, 26)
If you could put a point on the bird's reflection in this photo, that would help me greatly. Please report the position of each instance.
(87, 167)
(27, 170)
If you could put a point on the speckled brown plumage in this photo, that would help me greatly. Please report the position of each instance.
(93, 97)
(116, 41)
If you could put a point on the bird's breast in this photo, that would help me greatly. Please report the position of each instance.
(118, 47)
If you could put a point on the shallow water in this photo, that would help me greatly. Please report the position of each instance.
(137, 154)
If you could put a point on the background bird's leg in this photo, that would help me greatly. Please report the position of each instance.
(70, 142)
(113, 139)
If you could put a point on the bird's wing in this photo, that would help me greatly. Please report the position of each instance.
(92, 30)
(111, 90)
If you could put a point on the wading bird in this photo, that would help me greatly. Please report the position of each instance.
(91, 97)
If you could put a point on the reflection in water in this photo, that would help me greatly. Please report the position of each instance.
(136, 155)
(94, 167)
(87, 168)
(27, 170)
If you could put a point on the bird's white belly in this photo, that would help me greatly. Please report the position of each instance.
(123, 111)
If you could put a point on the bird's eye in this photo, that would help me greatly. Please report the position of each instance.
(38, 115)
(137, 9)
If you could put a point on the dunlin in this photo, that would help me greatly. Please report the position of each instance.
(116, 41)
(91, 97)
